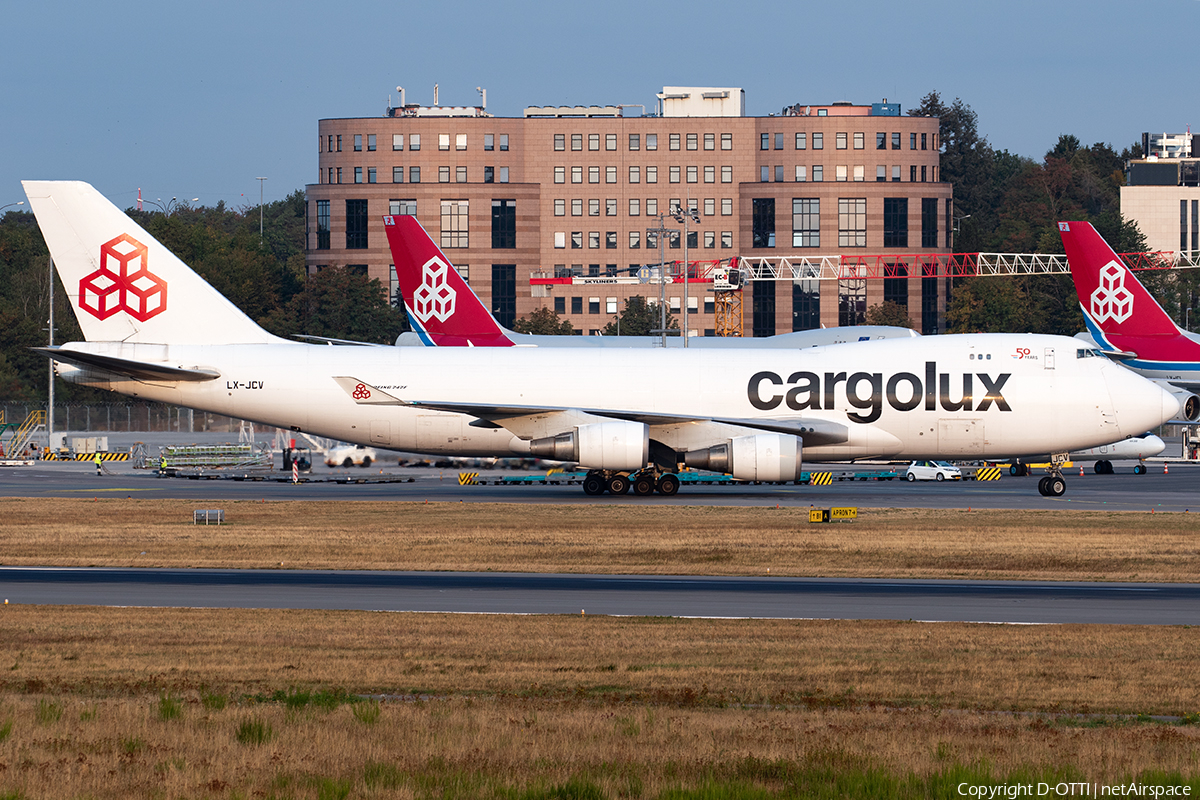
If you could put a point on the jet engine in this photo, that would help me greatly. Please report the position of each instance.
(617, 445)
(1189, 404)
(763, 457)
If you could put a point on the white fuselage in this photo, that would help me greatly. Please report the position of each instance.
(993, 395)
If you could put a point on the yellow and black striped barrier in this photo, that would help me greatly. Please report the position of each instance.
(820, 479)
(88, 457)
(467, 478)
(987, 474)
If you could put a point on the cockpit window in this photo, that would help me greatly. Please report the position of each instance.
(1088, 353)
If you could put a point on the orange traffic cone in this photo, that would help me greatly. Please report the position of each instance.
(1081, 470)
(1165, 471)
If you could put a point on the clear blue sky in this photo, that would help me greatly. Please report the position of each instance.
(197, 99)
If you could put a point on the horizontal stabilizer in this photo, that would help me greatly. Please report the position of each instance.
(364, 394)
(138, 370)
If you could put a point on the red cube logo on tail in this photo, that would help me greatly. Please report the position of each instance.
(434, 297)
(1111, 300)
(124, 282)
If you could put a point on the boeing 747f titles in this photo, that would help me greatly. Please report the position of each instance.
(155, 329)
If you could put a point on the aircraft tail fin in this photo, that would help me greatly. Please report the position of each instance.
(440, 304)
(125, 285)
(1114, 301)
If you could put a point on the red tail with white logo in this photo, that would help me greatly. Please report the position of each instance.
(441, 306)
(1113, 300)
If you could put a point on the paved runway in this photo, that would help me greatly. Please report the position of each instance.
(682, 596)
(1177, 491)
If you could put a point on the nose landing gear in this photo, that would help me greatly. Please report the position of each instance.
(1053, 484)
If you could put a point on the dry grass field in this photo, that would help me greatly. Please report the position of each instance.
(598, 538)
(177, 703)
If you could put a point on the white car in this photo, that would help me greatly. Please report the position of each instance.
(932, 471)
(350, 456)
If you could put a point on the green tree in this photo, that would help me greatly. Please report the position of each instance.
(889, 313)
(339, 304)
(638, 318)
(544, 322)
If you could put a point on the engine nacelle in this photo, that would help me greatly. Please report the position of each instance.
(1189, 404)
(763, 457)
(615, 445)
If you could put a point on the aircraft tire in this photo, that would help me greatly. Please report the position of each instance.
(593, 485)
(1042, 487)
(1099, 467)
(1014, 470)
(618, 484)
(1055, 486)
(1140, 469)
(643, 485)
(668, 485)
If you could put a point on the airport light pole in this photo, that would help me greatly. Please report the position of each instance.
(1187, 320)
(660, 232)
(169, 207)
(10, 205)
(683, 215)
(260, 206)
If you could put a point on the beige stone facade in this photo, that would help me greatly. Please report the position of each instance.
(1168, 216)
(586, 189)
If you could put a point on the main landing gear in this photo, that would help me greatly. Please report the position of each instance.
(644, 482)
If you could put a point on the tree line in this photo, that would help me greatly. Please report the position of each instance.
(1002, 203)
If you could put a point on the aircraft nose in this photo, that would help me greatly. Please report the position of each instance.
(1140, 404)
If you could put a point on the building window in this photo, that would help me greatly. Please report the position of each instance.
(859, 172)
(443, 174)
(763, 222)
(806, 305)
(634, 207)
(504, 174)
(912, 174)
(560, 141)
(576, 174)
(414, 174)
(859, 141)
(460, 174)
(912, 141)
(489, 141)
(489, 174)
(399, 208)
(397, 174)
(358, 174)
(692, 175)
(673, 141)
(764, 174)
(852, 222)
(710, 206)
(818, 173)
(635, 240)
(576, 240)
(504, 224)
(726, 141)
(881, 141)
(576, 305)
(504, 293)
(593, 306)
(560, 239)
(764, 141)
(896, 173)
(764, 308)
(929, 222)
(593, 174)
(635, 174)
(414, 141)
(593, 208)
(371, 143)
(652, 207)
(726, 240)
(443, 141)
(339, 143)
(840, 173)
(726, 174)
(673, 174)
(560, 305)
(610, 174)
(504, 142)
(923, 168)
(801, 141)
(881, 174)
(329, 146)
(358, 142)
(460, 141)
(779, 141)
(806, 222)
(576, 141)
(576, 207)
(356, 224)
(693, 141)
(929, 306)
(895, 141)
(895, 284)
(371, 175)
(840, 141)
(610, 240)
(593, 141)
(710, 174)
(593, 240)
(726, 206)
(801, 173)
(651, 174)
(635, 141)
(560, 208)
(818, 141)
(923, 135)
(779, 173)
(610, 207)
(610, 141)
(852, 302)
(454, 224)
(710, 141)
(710, 239)
(322, 224)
